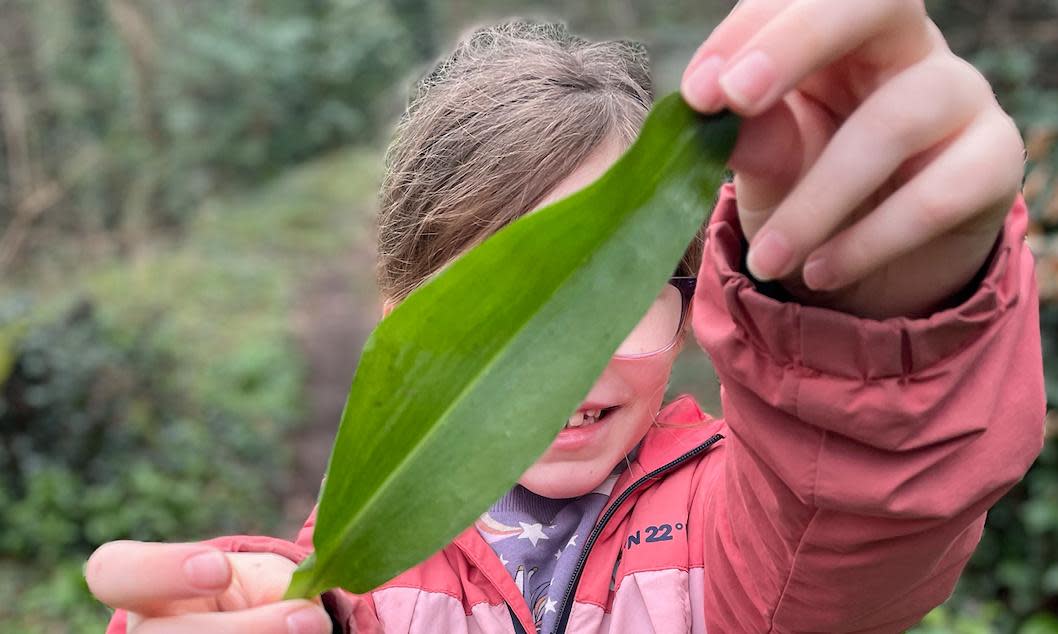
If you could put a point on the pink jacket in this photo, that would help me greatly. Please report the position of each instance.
(844, 491)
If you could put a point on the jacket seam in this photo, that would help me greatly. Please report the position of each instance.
(597, 604)
(601, 606)
(793, 567)
(456, 598)
(656, 569)
(484, 602)
(406, 586)
(804, 533)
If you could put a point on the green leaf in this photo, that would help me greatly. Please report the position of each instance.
(471, 377)
(1040, 623)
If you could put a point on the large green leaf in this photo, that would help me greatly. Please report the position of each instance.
(469, 380)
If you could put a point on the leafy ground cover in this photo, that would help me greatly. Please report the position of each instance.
(158, 399)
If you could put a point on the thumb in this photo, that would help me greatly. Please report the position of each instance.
(773, 151)
(259, 578)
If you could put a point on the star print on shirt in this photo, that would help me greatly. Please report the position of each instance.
(572, 540)
(503, 560)
(551, 605)
(558, 554)
(532, 532)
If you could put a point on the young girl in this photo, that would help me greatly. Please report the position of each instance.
(877, 344)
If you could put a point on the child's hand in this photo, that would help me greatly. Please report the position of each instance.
(877, 167)
(189, 588)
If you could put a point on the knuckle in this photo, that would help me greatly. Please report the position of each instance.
(933, 207)
(895, 126)
(1014, 141)
(855, 253)
(1007, 150)
(805, 23)
(973, 80)
(903, 11)
(918, 7)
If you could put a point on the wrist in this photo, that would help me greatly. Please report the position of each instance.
(868, 305)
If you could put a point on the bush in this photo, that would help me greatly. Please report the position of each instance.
(97, 444)
(137, 111)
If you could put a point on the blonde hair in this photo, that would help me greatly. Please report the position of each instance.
(491, 130)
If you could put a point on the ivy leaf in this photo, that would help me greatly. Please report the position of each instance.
(470, 378)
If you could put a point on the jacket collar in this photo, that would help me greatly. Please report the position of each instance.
(681, 427)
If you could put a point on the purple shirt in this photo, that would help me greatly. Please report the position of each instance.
(539, 539)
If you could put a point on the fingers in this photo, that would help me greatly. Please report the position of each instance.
(135, 575)
(937, 200)
(699, 84)
(916, 110)
(771, 154)
(799, 39)
(289, 617)
(257, 579)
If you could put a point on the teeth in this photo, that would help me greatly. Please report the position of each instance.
(587, 417)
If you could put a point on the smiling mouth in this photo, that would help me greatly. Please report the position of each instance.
(588, 417)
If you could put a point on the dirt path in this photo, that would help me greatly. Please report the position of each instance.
(336, 311)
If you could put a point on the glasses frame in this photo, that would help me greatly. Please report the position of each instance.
(685, 284)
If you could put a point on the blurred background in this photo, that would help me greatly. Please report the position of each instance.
(186, 264)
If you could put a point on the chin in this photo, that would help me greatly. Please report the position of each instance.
(576, 463)
(562, 474)
(565, 479)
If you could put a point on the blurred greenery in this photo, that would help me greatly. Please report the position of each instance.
(152, 399)
(175, 175)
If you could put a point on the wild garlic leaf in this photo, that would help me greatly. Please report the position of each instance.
(470, 378)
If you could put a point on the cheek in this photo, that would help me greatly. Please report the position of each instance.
(645, 378)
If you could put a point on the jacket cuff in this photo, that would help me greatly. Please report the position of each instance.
(839, 344)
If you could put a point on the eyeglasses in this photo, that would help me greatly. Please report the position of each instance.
(660, 328)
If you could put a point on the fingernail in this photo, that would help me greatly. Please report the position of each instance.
(307, 621)
(769, 256)
(701, 88)
(208, 570)
(817, 275)
(748, 82)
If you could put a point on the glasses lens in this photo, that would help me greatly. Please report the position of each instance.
(659, 326)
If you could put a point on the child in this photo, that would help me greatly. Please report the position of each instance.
(878, 348)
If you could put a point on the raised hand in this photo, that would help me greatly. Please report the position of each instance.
(876, 167)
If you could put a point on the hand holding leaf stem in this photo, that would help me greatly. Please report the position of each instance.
(191, 589)
(876, 167)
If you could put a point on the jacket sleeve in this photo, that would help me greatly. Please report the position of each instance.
(862, 454)
(355, 614)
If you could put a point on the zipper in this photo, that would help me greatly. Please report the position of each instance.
(567, 598)
(518, 629)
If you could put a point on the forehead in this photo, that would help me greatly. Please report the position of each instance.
(600, 159)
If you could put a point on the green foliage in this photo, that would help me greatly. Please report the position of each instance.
(162, 401)
(137, 111)
(452, 375)
(304, 80)
(1011, 584)
(55, 599)
(99, 445)
(1017, 560)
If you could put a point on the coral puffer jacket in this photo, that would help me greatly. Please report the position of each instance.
(844, 490)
